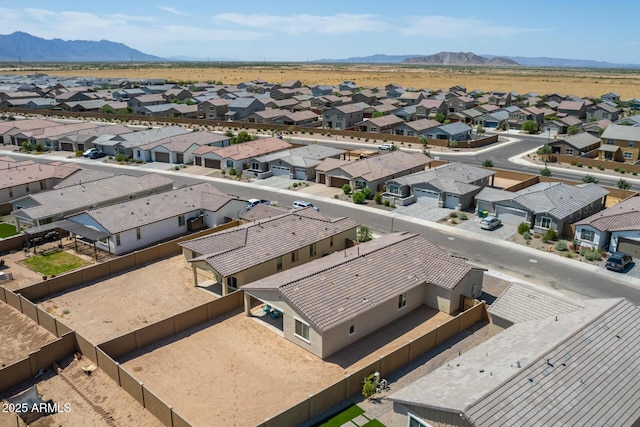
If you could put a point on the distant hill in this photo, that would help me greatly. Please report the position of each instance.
(459, 58)
(25, 47)
(372, 59)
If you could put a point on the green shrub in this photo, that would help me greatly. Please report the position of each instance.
(523, 227)
(545, 172)
(579, 164)
(601, 167)
(295, 185)
(358, 197)
(386, 202)
(121, 157)
(377, 198)
(335, 196)
(393, 206)
(550, 234)
(232, 171)
(568, 254)
(561, 246)
(591, 254)
(537, 235)
(453, 215)
(367, 192)
(346, 189)
(623, 171)
(463, 216)
(526, 235)
(616, 169)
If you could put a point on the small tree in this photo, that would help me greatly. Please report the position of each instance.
(423, 140)
(376, 114)
(346, 189)
(358, 197)
(378, 198)
(589, 178)
(453, 144)
(107, 109)
(545, 172)
(480, 130)
(487, 163)
(369, 386)
(623, 184)
(573, 130)
(363, 234)
(366, 191)
(523, 227)
(530, 126)
(440, 117)
(393, 147)
(550, 235)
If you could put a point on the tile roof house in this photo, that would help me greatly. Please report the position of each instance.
(128, 142)
(384, 124)
(616, 229)
(242, 107)
(53, 205)
(620, 143)
(249, 252)
(179, 149)
(342, 116)
(336, 300)
(576, 109)
(296, 163)
(371, 172)
(452, 132)
(149, 219)
(48, 134)
(238, 156)
(571, 369)
(603, 111)
(546, 205)
(575, 145)
(429, 108)
(420, 127)
(452, 185)
(83, 139)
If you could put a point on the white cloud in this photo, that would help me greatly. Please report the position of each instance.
(173, 10)
(298, 24)
(446, 27)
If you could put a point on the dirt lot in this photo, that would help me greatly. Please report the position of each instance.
(124, 302)
(19, 335)
(235, 362)
(86, 403)
(568, 81)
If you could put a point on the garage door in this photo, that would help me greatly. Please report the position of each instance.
(338, 182)
(212, 163)
(452, 201)
(162, 157)
(510, 215)
(301, 174)
(628, 246)
(427, 196)
(66, 146)
(280, 170)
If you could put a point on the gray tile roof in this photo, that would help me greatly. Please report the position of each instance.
(451, 177)
(19, 173)
(340, 286)
(84, 196)
(520, 303)
(135, 139)
(573, 371)
(261, 212)
(231, 251)
(624, 215)
(580, 140)
(455, 128)
(157, 207)
(83, 175)
(183, 141)
(629, 133)
(308, 155)
(384, 165)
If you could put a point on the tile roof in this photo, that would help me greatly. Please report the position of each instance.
(231, 251)
(157, 207)
(19, 173)
(520, 303)
(580, 140)
(85, 195)
(329, 164)
(246, 150)
(629, 133)
(455, 128)
(571, 105)
(305, 156)
(624, 215)
(51, 131)
(422, 124)
(183, 141)
(340, 286)
(384, 121)
(451, 177)
(83, 175)
(262, 212)
(384, 165)
(570, 370)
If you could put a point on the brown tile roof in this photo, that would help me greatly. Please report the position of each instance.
(330, 164)
(340, 286)
(384, 165)
(19, 173)
(231, 251)
(246, 150)
(262, 212)
(624, 215)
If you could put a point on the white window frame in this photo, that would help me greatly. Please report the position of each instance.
(305, 326)
(587, 235)
(569, 151)
(402, 300)
(181, 220)
(627, 154)
(417, 420)
(118, 242)
(542, 221)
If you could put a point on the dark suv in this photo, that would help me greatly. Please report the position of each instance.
(618, 261)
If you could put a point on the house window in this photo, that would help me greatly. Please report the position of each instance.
(312, 249)
(402, 300)
(352, 329)
(181, 221)
(279, 263)
(415, 422)
(43, 185)
(118, 239)
(11, 192)
(331, 242)
(138, 233)
(255, 165)
(394, 188)
(609, 141)
(373, 129)
(229, 163)
(294, 256)
(27, 188)
(232, 282)
(630, 144)
(587, 235)
(545, 222)
(569, 151)
(628, 154)
(340, 116)
(301, 330)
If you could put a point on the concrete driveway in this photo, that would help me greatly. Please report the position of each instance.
(473, 226)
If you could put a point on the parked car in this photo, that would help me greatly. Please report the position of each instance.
(299, 204)
(96, 154)
(89, 151)
(253, 202)
(385, 147)
(490, 222)
(618, 261)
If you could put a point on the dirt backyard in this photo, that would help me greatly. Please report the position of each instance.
(19, 335)
(127, 301)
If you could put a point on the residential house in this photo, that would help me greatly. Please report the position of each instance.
(459, 103)
(238, 256)
(499, 99)
(603, 111)
(8, 129)
(429, 108)
(170, 110)
(384, 124)
(575, 145)
(45, 136)
(452, 132)
(237, 156)
(561, 125)
(371, 172)
(126, 143)
(75, 95)
(620, 143)
(615, 229)
(41, 103)
(548, 371)
(452, 186)
(299, 118)
(326, 102)
(214, 108)
(145, 101)
(46, 207)
(367, 96)
(393, 91)
(321, 90)
(421, 127)
(296, 163)
(629, 120)
(411, 98)
(555, 97)
(342, 117)
(576, 109)
(611, 96)
(495, 120)
(323, 317)
(467, 116)
(348, 85)
(280, 94)
(546, 205)
(179, 149)
(270, 115)
(82, 140)
(177, 93)
(525, 114)
(125, 95)
(596, 128)
(242, 107)
(150, 219)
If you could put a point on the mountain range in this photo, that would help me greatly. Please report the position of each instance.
(459, 58)
(25, 47)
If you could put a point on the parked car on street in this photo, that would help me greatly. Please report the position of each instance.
(618, 261)
(490, 222)
(299, 204)
(253, 202)
(89, 151)
(96, 154)
(385, 147)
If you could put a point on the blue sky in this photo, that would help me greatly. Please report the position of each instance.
(277, 30)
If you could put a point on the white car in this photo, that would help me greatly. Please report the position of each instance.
(253, 202)
(385, 147)
(299, 204)
(490, 222)
(89, 151)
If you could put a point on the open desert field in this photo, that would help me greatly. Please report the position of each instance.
(580, 82)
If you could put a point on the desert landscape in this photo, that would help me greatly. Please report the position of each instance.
(580, 82)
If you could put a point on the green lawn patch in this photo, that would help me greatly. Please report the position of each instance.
(55, 263)
(374, 423)
(347, 415)
(7, 230)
